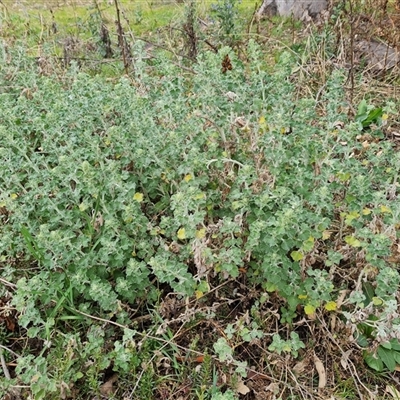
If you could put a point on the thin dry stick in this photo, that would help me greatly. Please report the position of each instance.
(143, 369)
(166, 343)
(104, 34)
(9, 350)
(351, 51)
(138, 333)
(4, 365)
(14, 390)
(355, 375)
(121, 37)
(253, 17)
(11, 285)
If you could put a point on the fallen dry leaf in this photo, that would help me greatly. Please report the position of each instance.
(392, 391)
(300, 367)
(345, 358)
(107, 388)
(321, 372)
(242, 388)
(251, 374)
(273, 388)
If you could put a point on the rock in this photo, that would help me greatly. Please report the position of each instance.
(300, 9)
(377, 55)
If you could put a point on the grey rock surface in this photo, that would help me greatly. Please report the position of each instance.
(300, 9)
(378, 56)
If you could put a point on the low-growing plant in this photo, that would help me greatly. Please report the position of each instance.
(228, 17)
(291, 346)
(368, 114)
(115, 194)
(386, 356)
(228, 395)
(225, 354)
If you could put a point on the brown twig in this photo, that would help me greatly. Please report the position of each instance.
(104, 33)
(11, 285)
(190, 34)
(4, 365)
(9, 350)
(355, 376)
(121, 39)
(253, 18)
(352, 33)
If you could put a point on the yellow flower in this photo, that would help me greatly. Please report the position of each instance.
(200, 233)
(181, 234)
(309, 309)
(330, 306)
(187, 178)
(385, 210)
(138, 197)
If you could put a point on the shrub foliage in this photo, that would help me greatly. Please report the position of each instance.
(117, 192)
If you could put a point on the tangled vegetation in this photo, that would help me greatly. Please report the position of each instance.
(220, 225)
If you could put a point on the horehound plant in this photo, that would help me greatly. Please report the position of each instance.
(115, 194)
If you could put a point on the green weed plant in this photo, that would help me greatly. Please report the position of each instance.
(107, 188)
